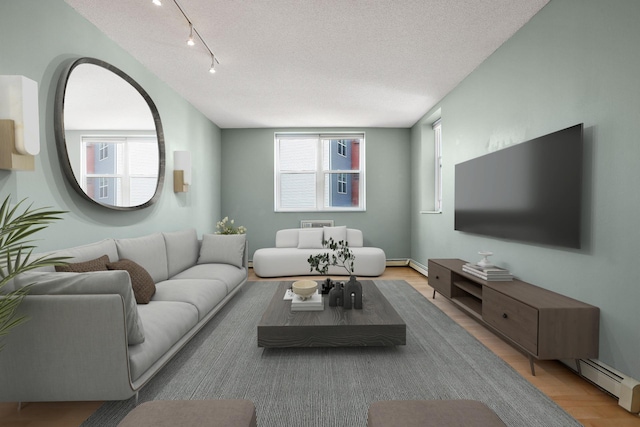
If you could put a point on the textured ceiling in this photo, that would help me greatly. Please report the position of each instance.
(312, 63)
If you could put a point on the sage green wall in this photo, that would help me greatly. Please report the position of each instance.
(247, 188)
(575, 61)
(38, 38)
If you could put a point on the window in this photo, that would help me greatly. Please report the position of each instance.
(104, 151)
(430, 172)
(103, 188)
(342, 148)
(342, 183)
(437, 143)
(319, 172)
(110, 176)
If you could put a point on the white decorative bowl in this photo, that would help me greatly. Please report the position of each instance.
(304, 288)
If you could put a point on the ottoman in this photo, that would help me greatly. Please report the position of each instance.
(192, 413)
(423, 413)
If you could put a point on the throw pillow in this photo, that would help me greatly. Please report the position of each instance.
(182, 250)
(222, 248)
(149, 251)
(98, 264)
(310, 239)
(141, 281)
(336, 233)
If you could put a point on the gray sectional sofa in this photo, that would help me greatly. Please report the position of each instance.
(88, 339)
(295, 245)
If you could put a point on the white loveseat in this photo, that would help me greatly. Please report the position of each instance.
(88, 339)
(294, 246)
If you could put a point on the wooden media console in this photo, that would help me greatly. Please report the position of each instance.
(541, 323)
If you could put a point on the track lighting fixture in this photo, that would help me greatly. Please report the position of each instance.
(213, 64)
(190, 40)
(193, 30)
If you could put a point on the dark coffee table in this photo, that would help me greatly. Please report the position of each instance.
(377, 324)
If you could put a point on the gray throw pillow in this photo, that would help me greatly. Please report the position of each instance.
(222, 248)
(310, 239)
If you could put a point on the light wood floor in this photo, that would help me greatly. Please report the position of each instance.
(590, 406)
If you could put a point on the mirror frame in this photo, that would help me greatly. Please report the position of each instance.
(61, 142)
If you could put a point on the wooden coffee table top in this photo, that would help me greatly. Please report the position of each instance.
(376, 324)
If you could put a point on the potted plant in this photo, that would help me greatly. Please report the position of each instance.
(341, 256)
(228, 227)
(16, 247)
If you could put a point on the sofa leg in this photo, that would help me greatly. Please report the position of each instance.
(19, 406)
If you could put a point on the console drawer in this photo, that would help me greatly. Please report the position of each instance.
(512, 318)
(440, 279)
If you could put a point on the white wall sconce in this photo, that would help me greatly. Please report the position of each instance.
(19, 123)
(181, 171)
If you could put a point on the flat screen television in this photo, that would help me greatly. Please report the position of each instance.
(528, 192)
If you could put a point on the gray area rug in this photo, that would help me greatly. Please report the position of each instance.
(333, 387)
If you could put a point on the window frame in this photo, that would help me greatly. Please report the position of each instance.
(437, 145)
(120, 145)
(322, 176)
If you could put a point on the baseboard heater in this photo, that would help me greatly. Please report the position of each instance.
(625, 388)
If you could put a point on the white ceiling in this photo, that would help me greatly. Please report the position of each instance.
(312, 63)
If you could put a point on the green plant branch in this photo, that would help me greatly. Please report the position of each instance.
(15, 255)
(341, 256)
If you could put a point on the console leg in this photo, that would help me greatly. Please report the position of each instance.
(578, 367)
(533, 369)
(434, 294)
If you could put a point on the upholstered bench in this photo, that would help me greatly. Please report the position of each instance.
(192, 413)
(424, 413)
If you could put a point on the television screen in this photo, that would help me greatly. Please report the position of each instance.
(529, 192)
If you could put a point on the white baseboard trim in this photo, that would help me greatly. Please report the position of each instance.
(397, 262)
(422, 269)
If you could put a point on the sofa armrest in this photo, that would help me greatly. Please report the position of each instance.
(100, 282)
(245, 257)
(73, 347)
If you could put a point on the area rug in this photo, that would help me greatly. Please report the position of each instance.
(333, 387)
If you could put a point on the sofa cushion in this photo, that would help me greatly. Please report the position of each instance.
(287, 238)
(148, 251)
(222, 248)
(98, 264)
(165, 324)
(232, 276)
(204, 294)
(182, 250)
(355, 238)
(141, 281)
(336, 233)
(274, 262)
(99, 282)
(310, 238)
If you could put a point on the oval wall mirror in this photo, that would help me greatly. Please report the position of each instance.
(109, 136)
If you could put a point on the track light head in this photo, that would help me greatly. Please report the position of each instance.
(212, 69)
(190, 40)
(157, 2)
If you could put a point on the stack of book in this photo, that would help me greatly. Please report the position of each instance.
(488, 273)
(314, 303)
